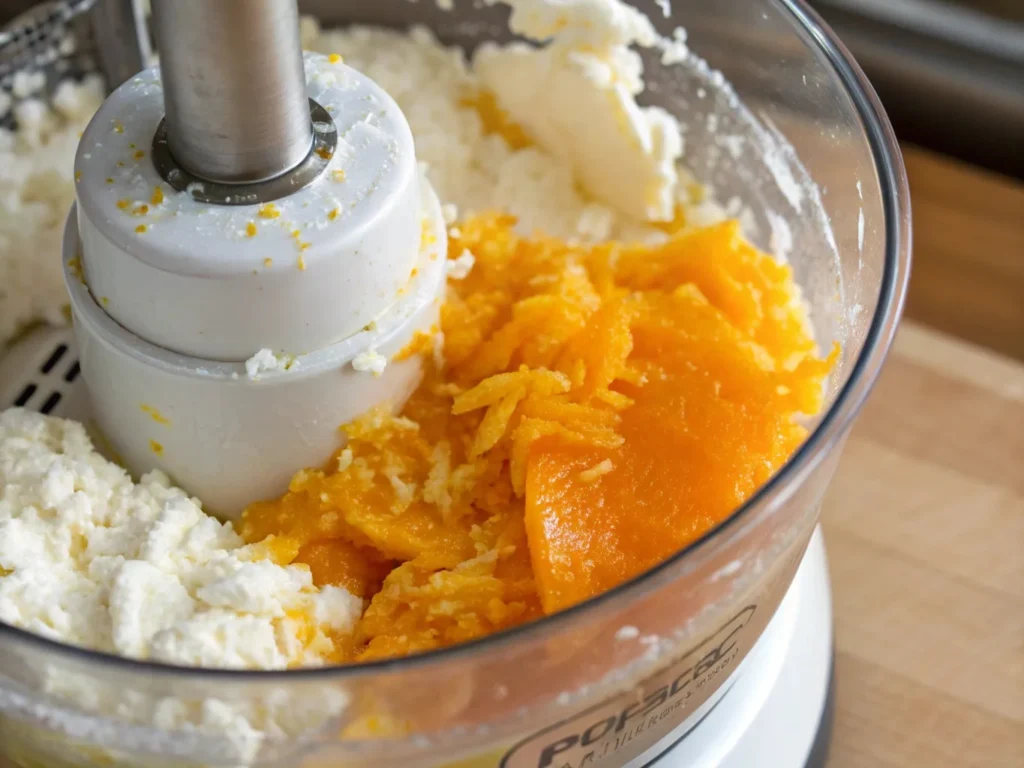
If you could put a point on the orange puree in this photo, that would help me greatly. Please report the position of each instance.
(600, 408)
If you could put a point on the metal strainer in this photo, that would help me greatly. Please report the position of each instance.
(60, 39)
(39, 37)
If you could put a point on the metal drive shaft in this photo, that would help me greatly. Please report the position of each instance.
(234, 87)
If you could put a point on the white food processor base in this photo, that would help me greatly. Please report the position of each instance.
(777, 712)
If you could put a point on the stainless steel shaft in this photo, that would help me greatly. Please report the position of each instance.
(234, 88)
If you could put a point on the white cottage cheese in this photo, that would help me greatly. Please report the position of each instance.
(549, 186)
(36, 192)
(265, 361)
(370, 361)
(89, 557)
(576, 97)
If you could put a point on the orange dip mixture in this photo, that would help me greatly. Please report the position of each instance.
(599, 408)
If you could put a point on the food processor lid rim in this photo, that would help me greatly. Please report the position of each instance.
(833, 426)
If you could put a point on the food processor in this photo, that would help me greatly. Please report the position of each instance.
(720, 656)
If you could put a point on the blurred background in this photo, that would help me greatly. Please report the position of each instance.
(951, 72)
(951, 76)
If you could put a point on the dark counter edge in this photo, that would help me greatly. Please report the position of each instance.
(952, 82)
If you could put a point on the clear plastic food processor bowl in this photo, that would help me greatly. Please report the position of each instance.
(776, 116)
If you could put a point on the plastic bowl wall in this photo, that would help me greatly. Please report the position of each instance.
(775, 115)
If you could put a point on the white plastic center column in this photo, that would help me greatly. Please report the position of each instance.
(224, 344)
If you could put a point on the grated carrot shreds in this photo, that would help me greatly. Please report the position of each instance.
(599, 408)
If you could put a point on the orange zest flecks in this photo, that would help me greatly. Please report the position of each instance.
(75, 268)
(268, 262)
(597, 409)
(427, 235)
(335, 58)
(141, 229)
(139, 154)
(301, 263)
(140, 210)
(421, 344)
(269, 211)
(333, 214)
(676, 224)
(156, 447)
(123, 204)
(338, 174)
(496, 120)
(250, 229)
(155, 415)
(158, 195)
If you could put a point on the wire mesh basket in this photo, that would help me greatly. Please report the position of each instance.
(60, 39)
(48, 42)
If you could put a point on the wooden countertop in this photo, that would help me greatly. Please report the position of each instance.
(924, 523)
(968, 252)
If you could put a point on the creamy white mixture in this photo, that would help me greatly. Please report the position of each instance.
(576, 97)
(89, 557)
(265, 361)
(36, 192)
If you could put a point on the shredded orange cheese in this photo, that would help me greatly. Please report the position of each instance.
(599, 408)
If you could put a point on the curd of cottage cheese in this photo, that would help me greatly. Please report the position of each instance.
(36, 191)
(265, 361)
(89, 557)
(576, 97)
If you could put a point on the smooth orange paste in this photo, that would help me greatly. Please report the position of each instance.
(600, 408)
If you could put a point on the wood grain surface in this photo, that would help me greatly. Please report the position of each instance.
(924, 526)
(968, 252)
(924, 523)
